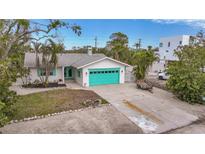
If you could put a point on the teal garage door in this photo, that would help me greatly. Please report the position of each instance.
(104, 76)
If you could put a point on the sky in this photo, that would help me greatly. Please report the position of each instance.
(149, 31)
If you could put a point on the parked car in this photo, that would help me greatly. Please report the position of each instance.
(163, 75)
(203, 69)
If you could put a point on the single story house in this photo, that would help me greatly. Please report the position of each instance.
(86, 69)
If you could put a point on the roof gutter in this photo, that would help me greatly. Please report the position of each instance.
(103, 59)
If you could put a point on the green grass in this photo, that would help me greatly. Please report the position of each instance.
(52, 101)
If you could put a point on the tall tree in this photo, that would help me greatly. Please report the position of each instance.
(49, 59)
(118, 44)
(15, 38)
(200, 34)
(149, 47)
(20, 32)
(142, 60)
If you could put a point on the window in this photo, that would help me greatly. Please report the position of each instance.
(161, 45)
(180, 42)
(51, 73)
(79, 73)
(70, 72)
(42, 72)
(169, 44)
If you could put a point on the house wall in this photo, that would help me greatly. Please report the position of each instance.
(79, 80)
(102, 64)
(34, 75)
(157, 67)
(129, 75)
(84, 77)
(167, 53)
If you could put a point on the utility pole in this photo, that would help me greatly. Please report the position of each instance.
(96, 42)
(140, 43)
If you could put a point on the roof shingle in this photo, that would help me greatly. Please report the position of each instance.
(65, 59)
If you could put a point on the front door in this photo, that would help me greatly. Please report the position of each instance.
(68, 73)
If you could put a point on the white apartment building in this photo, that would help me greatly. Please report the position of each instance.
(168, 45)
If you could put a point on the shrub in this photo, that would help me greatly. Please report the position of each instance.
(187, 80)
(7, 97)
(142, 60)
(3, 118)
(36, 82)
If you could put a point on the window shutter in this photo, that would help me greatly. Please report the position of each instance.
(79, 73)
(54, 72)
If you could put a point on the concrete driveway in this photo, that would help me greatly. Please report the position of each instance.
(105, 119)
(196, 128)
(154, 113)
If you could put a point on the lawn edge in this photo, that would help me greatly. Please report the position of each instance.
(56, 113)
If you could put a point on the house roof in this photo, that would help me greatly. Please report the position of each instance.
(69, 59)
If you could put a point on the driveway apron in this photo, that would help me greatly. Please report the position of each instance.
(151, 113)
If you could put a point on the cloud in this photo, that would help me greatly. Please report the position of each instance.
(190, 22)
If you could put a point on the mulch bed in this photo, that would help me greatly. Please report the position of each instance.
(40, 85)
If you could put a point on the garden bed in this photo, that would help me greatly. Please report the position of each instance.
(40, 85)
(54, 101)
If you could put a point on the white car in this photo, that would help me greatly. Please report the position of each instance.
(163, 75)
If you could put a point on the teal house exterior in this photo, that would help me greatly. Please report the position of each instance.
(85, 69)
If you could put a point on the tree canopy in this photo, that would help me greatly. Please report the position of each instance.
(118, 45)
(20, 32)
(16, 36)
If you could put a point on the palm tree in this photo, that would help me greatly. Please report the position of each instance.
(118, 44)
(149, 47)
(49, 60)
(142, 60)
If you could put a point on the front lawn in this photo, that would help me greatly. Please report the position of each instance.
(52, 101)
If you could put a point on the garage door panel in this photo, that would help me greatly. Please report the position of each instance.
(103, 76)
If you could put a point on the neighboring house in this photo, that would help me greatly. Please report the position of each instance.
(169, 44)
(167, 47)
(86, 69)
